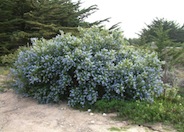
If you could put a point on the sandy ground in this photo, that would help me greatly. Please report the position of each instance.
(18, 114)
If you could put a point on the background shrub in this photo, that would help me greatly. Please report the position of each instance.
(96, 65)
(9, 59)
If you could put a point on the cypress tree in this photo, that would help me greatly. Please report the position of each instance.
(24, 19)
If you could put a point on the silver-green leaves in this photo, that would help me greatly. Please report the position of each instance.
(97, 64)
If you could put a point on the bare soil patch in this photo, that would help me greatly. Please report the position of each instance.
(19, 114)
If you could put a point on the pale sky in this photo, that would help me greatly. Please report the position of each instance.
(133, 14)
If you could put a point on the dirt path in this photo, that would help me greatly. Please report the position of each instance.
(18, 114)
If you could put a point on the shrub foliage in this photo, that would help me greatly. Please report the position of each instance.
(96, 65)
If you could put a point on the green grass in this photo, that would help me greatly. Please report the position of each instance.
(165, 110)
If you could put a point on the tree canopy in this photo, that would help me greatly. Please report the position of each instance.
(23, 19)
(166, 37)
(174, 30)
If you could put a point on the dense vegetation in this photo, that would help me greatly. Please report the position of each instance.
(167, 110)
(92, 67)
(96, 65)
(24, 19)
(164, 37)
(174, 31)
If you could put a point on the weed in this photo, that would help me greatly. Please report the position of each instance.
(1, 88)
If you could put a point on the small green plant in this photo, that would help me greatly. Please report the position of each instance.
(4, 70)
(1, 88)
(3, 83)
(170, 92)
(9, 59)
(5, 80)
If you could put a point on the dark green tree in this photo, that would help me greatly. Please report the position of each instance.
(165, 38)
(133, 41)
(161, 39)
(175, 31)
(24, 19)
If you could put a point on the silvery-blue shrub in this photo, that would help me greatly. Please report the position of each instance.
(98, 64)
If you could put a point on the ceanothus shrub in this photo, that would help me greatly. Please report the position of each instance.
(96, 65)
